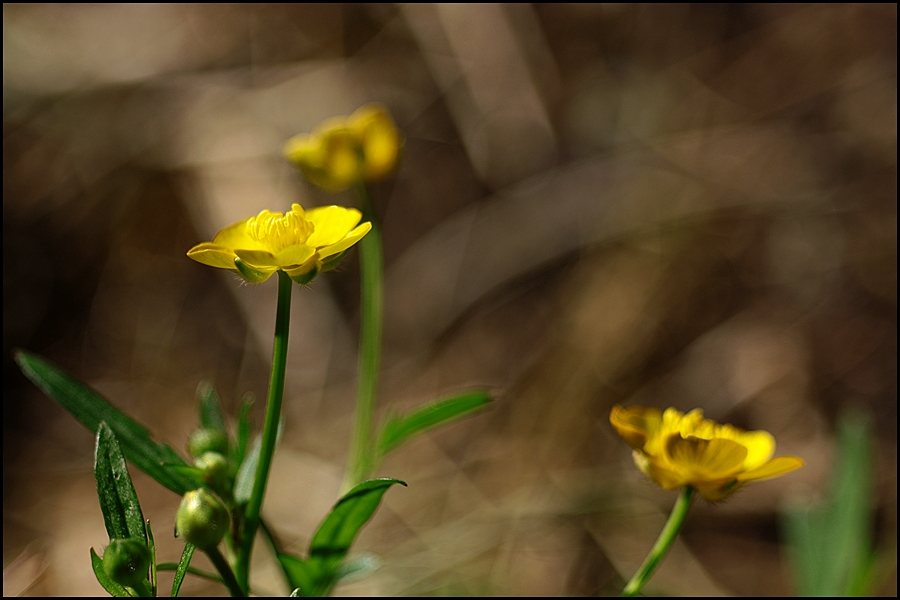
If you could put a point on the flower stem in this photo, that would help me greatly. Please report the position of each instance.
(225, 571)
(663, 543)
(371, 306)
(270, 429)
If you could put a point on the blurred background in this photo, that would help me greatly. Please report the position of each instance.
(689, 206)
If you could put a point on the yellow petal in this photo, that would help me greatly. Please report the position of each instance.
(350, 239)
(776, 467)
(760, 447)
(706, 459)
(331, 224)
(212, 255)
(258, 258)
(635, 424)
(235, 236)
(294, 256)
(379, 138)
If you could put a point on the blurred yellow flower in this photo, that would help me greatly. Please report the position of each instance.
(301, 243)
(344, 151)
(676, 449)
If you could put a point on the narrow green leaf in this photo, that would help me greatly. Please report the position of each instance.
(90, 408)
(399, 428)
(830, 545)
(359, 567)
(316, 575)
(211, 416)
(308, 578)
(128, 499)
(182, 568)
(244, 428)
(111, 506)
(195, 472)
(152, 545)
(243, 481)
(114, 589)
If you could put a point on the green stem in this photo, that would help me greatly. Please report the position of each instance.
(224, 569)
(371, 307)
(270, 429)
(663, 543)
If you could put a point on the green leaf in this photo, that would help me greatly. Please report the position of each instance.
(246, 475)
(114, 589)
(830, 545)
(211, 416)
(118, 501)
(244, 428)
(152, 544)
(316, 575)
(182, 568)
(359, 567)
(90, 408)
(399, 428)
(243, 481)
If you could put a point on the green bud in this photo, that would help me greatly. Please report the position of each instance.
(207, 440)
(215, 470)
(202, 519)
(126, 562)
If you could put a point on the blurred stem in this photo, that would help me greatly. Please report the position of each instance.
(663, 542)
(270, 429)
(371, 307)
(225, 571)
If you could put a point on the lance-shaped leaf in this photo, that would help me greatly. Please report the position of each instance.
(118, 501)
(316, 575)
(211, 416)
(90, 408)
(182, 568)
(399, 428)
(246, 475)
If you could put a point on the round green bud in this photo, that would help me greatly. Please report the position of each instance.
(126, 562)
(202, 519)
(207, 440)
(215, 470)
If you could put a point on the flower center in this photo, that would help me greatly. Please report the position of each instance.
(277, 231)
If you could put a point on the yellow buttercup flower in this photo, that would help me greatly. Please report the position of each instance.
(344, 151)
(676, 449)
(300, 243)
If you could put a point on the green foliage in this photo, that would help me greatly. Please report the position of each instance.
(398, 428)
(118, 501)
(114, 589)
(126, 562)
(90, 408)
(830, 544)
(182, 568)
(211, 415)
(316, 575)
(243, 481)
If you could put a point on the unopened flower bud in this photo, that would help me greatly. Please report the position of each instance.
(126, 562)
(207, 440)
(215, 470)
(202, 519)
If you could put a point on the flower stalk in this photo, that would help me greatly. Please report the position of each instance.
(270, 429)
(371, 319)
(663, 543)
(224, 569)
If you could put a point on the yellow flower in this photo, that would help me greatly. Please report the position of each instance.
(300, 243)
(344, 151)
(676, 449)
